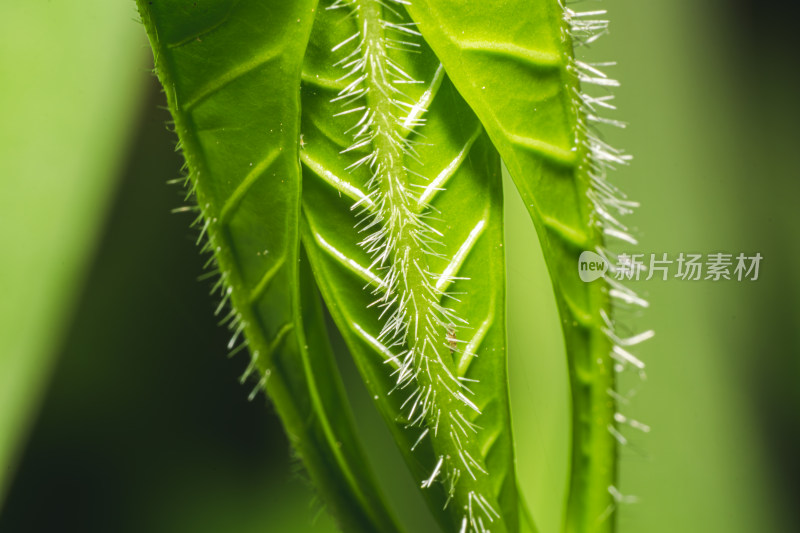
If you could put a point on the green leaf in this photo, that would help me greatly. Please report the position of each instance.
(512, 61)
(69, 96)
(401, 222)
(231, 71)
(441, 178)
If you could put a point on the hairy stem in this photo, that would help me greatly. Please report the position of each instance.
(402, 247)
(594, 453)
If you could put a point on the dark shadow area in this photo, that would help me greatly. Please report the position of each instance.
(766, 60)
(124, 436)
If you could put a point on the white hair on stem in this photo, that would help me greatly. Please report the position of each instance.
(609, 205)
(400, 240)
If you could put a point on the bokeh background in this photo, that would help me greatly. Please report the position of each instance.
(112, 368)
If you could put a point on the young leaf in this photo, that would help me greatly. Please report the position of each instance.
(513, 62)
(231, 71)
(403, 225)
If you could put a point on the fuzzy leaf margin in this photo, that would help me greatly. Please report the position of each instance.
(231, 72)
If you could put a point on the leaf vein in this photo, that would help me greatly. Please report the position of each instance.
(231, 75)
(235, 199)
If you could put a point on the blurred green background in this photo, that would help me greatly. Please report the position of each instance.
(113, 368)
